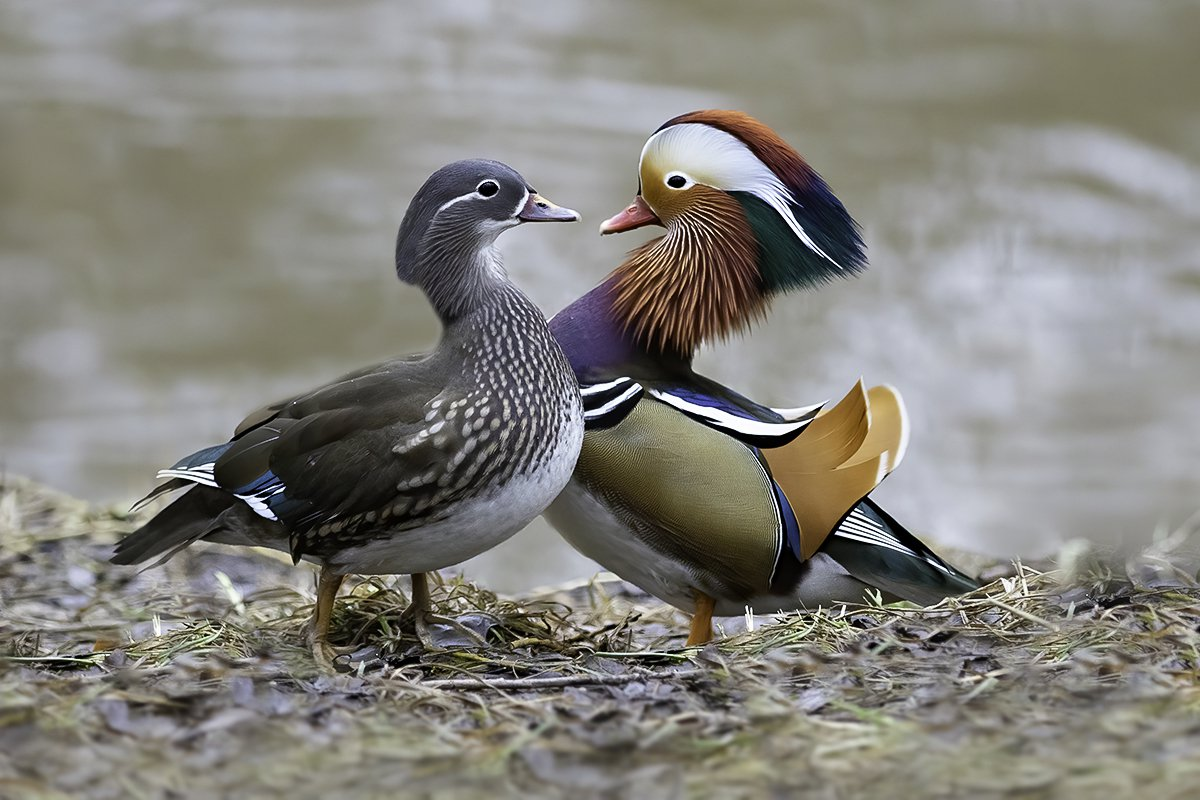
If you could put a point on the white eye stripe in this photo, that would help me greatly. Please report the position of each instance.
(721, 160)
(474, 196)
(459, 199)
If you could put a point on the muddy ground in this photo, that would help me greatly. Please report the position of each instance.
(190, 680)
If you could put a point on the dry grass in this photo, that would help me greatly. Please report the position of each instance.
(190, 680)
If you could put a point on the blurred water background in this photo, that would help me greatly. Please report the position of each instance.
(198, 203)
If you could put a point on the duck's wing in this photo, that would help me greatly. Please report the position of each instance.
(198, 468)
(702, 400)
(820, 465)
(695, 500)
(382, 453)
(326, 393)
(655, 439)
(376, 449)
(823, 461)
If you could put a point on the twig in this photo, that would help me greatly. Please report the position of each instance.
(1025, 615)
(558, 681)
(646, 654)
(86, 661)
(50, 626)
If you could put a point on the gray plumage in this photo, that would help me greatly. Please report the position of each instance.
(416, 463)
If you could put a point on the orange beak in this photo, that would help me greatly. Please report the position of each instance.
(637, 215)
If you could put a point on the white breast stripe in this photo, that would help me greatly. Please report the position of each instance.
(597, 388)
(614, 403)
(749, 427)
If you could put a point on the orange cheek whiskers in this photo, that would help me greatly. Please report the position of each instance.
(698, 282)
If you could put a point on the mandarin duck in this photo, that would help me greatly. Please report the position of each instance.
(700, 496)
(417, 463)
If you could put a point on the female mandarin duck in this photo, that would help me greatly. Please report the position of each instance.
(417, 463)
(687, 489)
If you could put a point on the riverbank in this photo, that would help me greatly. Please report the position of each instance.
(190, 680)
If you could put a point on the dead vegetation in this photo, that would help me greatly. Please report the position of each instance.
(191, 680)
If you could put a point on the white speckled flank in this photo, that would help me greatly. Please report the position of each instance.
(475, 525)
(498, 451)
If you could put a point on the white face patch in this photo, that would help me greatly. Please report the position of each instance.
(704, 154)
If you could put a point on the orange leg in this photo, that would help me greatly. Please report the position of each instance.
(421, 606)
(701, 631)
(422, 609)
(318, 632)
(421, 603)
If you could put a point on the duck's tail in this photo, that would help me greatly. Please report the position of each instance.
(825, 475)
(876, 549)
(198, 513)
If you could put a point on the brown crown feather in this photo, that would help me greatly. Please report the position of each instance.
(698, 282)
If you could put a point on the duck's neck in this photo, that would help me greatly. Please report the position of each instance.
(595, 343)
(601, 345)
(699, 282)
(458, 282)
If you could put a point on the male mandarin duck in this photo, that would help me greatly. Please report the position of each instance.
(685, 488)
(417, 463)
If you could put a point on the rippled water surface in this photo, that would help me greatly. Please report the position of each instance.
(198, 203)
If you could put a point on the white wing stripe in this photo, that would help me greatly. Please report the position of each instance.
(259, 507)
(800, 412)
(855, 527)
(873, 532)
(201, 474)
(750, 427)
(842, 533)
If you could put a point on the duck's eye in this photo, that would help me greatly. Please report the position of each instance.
(676, 181)
(488, 188)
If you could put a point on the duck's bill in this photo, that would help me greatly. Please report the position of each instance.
(539, 209)
(637, 215)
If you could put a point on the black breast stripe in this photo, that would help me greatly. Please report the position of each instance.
(606, 404)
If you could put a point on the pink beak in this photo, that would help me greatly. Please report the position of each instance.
(637, 215)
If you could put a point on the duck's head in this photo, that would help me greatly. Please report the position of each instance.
(445, 243)
(746, 218)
